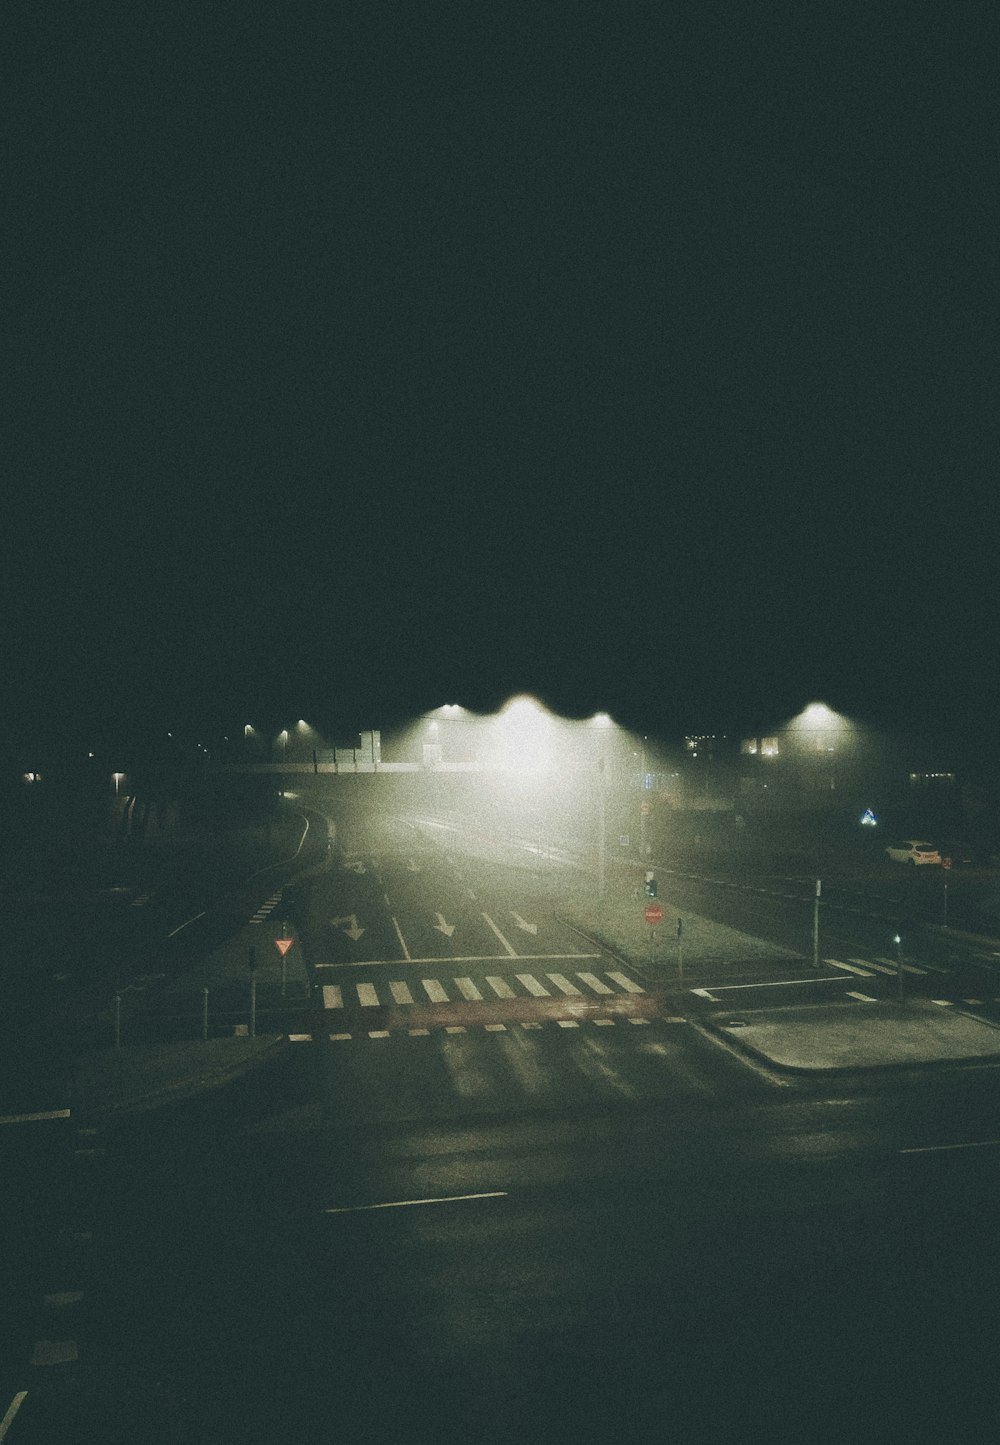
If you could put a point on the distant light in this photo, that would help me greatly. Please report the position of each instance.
(32, 777)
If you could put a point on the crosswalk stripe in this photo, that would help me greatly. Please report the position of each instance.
(849, 967)
(879, 967)
(533, 986)
(468, 989)
(562, 982)
(434, 991)
(401, 993)
(595, 983)
(367, 996)
(628, 984)
(332, 996)
(907, 967)
(500, 987)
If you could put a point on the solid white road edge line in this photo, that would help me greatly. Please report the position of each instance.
(408, 1203)
(444, 959)
(185, 925)
(12, 1410)
(511, 953)
(939, 1148)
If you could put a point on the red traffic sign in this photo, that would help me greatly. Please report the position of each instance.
(283, 945)
(654, 914)
(945, 862)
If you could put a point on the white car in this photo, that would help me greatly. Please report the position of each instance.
(914, 852)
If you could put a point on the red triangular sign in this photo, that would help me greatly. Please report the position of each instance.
(283, 945)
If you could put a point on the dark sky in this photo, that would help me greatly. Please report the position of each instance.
(364, 357)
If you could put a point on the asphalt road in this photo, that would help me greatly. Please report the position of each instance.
(547, 1216)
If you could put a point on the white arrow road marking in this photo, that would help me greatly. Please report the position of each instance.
(528, 927)
(353, 931)
(446, 928)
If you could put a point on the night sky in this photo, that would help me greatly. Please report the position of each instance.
(364, 357)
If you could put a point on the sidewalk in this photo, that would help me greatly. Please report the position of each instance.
(799, 1038)
(835, 1037)
(143, 1076)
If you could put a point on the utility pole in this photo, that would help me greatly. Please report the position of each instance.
(819, 889)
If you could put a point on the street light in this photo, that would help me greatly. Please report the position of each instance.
(897, 940)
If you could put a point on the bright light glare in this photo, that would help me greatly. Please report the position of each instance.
(523, 730)
(601, 720)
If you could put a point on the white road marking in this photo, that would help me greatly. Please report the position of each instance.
(367, 996)
(34, 1118)
(11, 1411)
(455, 1029)
(54, 1352)
(400, 993)
(300, 1038)
(457, 958)
(402, 940)
(409, 1203)
(531, 983)
(181, 926)
(568, 1023)
(496, 1028)
(332, 996)
(592, 981)
(378, 1033)
(850, 967)
(605, 1023)
(501, 987)
(563, 984)
(939, 1148)
(942, 1002)
(771, 983)
(864, 997)
(634, 1020)
(511, 952)
(704, 993)
(338, 1038)
(434, 991)
(907, 967)
(879, 967)
(628, 984)
(468, 989)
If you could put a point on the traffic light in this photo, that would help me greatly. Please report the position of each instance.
(650, 886)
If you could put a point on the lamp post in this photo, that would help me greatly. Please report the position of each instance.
(897, 940)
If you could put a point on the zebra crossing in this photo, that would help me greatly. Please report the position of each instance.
(398, 993)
